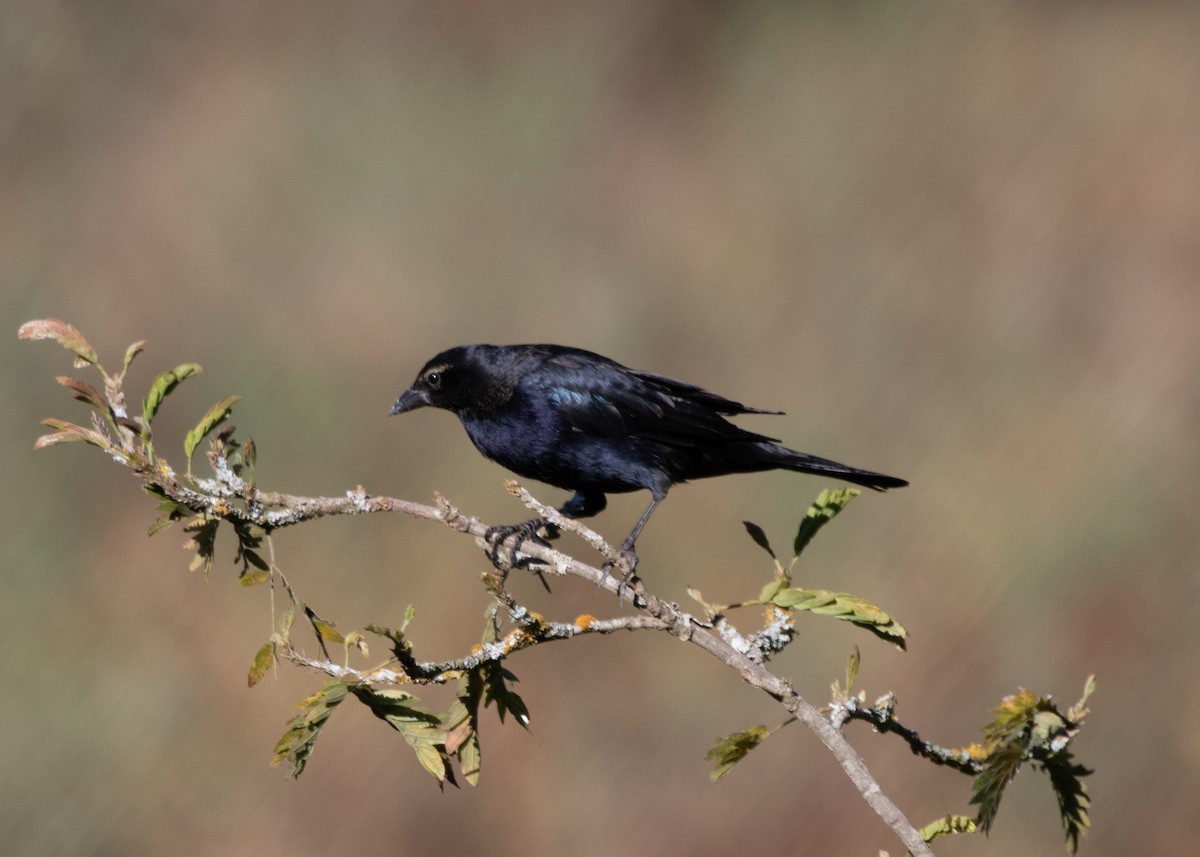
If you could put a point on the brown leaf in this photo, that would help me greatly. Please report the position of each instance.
(64, 334)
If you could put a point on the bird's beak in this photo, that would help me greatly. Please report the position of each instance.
(409, 400)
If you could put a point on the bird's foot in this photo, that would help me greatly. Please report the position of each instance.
(539, 531)
(625, 565)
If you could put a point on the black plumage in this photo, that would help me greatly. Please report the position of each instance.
(583, 422)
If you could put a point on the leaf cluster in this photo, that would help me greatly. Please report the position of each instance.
(782, 600)
(435, 739)
(822, 602)
(128, 439)
(1026, 727)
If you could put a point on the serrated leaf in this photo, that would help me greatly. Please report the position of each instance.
(1000, 768)
(65, 334)
(760, 538)
(264, 659)
(162, 387)
(823, 510)
(217, 414)
(496, 690)
(1073, 802)
(849, 608)
(731, 749)
(1007, 740)
(1011, 718)
(517, 708)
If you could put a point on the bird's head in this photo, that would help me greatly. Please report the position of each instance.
(458, 380)
(437, 385)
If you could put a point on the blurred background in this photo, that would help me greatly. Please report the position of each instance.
(954, 242)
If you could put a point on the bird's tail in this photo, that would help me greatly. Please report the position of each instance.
(802, 462)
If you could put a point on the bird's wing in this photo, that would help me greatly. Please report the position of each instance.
(608, 400)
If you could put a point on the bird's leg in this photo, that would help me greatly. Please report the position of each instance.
(628, 559)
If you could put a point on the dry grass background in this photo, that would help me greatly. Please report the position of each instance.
(957, 242)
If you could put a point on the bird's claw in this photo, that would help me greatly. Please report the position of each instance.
(539, 531)
(626, 565)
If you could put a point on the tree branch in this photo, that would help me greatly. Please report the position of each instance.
(1025, 726)
(272, 510)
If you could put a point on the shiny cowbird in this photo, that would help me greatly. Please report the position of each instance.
(583, 422)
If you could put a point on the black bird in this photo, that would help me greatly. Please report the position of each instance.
(579, 421)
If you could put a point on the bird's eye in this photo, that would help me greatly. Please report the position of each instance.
(434, 379)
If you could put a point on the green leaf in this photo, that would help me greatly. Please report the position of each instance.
(216, 415)
(469, 758)
(462, 725)
(172, 512)
(65, 334)
(160, 525)
(947, 825)
(432, 759)
(760, 538)
(730, 750)
(1000, 768)
(1011, 719)
(162, 387)
(254, 578)
(296, 745)
(264, 659)
(326, 631)
(823, 510)
(421, 729)
(852, 668)
(770, 591)
(849, 608)
(1007, 741)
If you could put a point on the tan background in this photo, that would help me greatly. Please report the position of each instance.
(955, 244)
